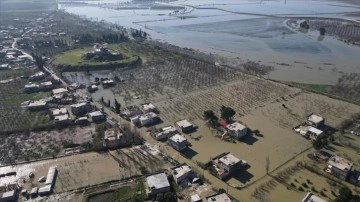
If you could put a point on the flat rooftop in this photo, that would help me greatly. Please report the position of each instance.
(312, 198)
(180, 170)
(96, 113)
(177, 138)
(147, 106)
(157, 181)
(218, 198)
(340, 163)
(315, 118)
(59, 90)
(229, 159)
(236, 126)
(184, 123)
(315, 131)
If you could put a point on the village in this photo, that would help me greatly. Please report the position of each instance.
(163, 139)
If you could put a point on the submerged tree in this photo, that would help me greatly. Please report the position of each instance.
(227, 113)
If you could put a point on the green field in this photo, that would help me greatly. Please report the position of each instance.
(74, 58)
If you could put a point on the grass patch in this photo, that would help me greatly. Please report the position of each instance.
(17, 99)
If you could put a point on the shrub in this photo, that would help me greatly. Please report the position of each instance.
(305, 185)
(301, 189)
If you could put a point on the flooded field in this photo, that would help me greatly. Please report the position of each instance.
(246, 30)
(82, 170)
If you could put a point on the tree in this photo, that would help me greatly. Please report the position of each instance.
(211, 117)
(109, 103)
(345, 195)
(227, 113)
(117, 106)
(320, 142)
(322, 31)
(102, 99)
(267, 164)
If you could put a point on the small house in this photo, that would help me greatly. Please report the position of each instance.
(8, 196)
(237, 130)
(148, 107)
(178, 142)
(80, 108)
(37, 76)
(195, 198)
(145, 119)
(59, 91)
(218, 198)
(157, 183)
(37, 105)
(108, 83)
(58, 112)
(310, 197)
(62, 120)
(31, 88)
(226, 164)
(339, 167)
(182, 174)
(114, 139)
(184, 126)
(314, 133)
(97, 116)
(46, 85)
(315, 121)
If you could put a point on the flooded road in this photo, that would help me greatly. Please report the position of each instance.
(247, 30)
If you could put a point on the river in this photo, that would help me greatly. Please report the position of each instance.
(244, 30)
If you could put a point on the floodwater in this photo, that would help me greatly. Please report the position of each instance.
(247, 30)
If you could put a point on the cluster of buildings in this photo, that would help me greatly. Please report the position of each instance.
(144, 115)
(172, 135)
(183, 176)
(312, 127)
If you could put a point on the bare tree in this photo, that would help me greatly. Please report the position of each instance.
(267, 164)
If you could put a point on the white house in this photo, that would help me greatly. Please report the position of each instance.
(237, 130)
(178, 142)
(182, 173)
(184, 126)
(315, 121)
(218, 198)
(310, 197)
(157, 183)
(96, 116)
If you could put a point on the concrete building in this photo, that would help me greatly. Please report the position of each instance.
(58, 112)
(92, 88)
(108, 83)
(9, 196)
(49, 183)
(31, 88)
(237, 130)
(218, 198)
(166, 133)
(314, 133)
(148, 107)
(62, 120)
(80, 108)
(184, 126)
(114, 139)
(145, 119)
(315, 121)
(46, 85)
(37, 105)
(59, 91)
(182, 174)
(157, 183)
(226, 164)
(195, 198)
(339, 167)
(310, 197)
(178, 142)
(37, 76)
(97, 116)
(130, 111)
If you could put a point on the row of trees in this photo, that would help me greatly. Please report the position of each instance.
(117, 105)
(227, 113)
